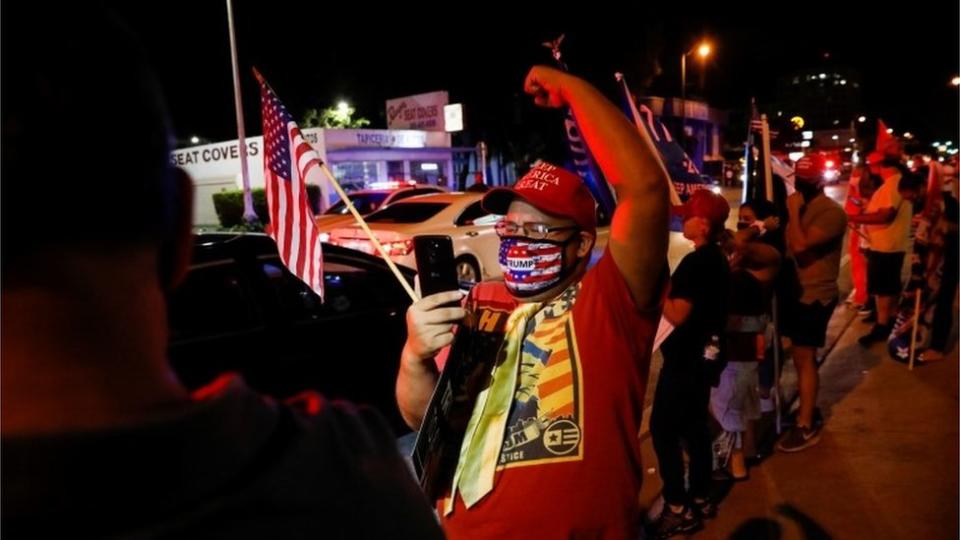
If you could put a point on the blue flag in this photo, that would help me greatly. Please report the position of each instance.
(586, 167)
(684, 175)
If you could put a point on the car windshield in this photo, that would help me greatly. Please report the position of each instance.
(407, 212)
(365, 203)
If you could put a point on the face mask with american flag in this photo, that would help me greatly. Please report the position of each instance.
(531, 267)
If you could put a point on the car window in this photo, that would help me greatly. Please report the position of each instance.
(348, 288)
(214, 299)
(407, 212)
(472, 214)
(407, 193)
(489, 219)
(365, 203)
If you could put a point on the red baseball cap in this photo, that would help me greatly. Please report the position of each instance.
(550, 189)
(706, 204)
(810, 168)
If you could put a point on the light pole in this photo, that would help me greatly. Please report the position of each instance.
(703, 51)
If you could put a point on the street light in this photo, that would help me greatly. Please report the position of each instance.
(703, 51)
(955, 81)
(862, 119)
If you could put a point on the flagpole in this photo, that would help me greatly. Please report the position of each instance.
(767, 165)
(583, 162)
(916, 322)
(768, 187)
(373, 239)
(748, 163)
(363, 224)
(249, 215)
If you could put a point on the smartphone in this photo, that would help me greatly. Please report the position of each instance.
(435, 265)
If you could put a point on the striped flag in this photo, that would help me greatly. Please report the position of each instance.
(288, 162)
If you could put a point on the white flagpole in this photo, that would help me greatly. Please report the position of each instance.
(249, 215)
(767, 162)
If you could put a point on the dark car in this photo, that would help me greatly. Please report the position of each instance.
(241, 310)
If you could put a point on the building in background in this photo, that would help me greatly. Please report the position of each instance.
(698, 128)
(827, 98)
(359, 158)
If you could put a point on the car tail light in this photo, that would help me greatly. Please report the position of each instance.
(398, 249)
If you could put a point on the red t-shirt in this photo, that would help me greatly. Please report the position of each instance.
(570, 464)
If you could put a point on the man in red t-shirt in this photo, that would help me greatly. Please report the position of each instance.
(551, 449)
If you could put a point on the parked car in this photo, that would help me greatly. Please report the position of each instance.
(368, 201)
(241, 310)
(458, 215)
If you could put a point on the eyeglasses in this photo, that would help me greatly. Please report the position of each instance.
(537, 231)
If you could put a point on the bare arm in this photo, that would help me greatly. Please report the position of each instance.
(755, 254)
(761, 260)
(429, 329)
(630, 162)
(801, 240)
(880, 217)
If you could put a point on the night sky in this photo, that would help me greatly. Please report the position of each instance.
(364, 52)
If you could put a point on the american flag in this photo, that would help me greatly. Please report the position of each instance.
(288, 162)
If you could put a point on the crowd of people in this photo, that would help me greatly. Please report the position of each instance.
(101, 439)
(888, 198)
(717, 361)
(721, 301)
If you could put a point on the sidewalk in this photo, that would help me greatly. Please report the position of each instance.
(886, 466)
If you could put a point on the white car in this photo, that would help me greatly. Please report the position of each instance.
(476, 245)
(368, 201)
(457, 215)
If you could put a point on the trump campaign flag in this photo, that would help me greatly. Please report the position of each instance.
(683, 173)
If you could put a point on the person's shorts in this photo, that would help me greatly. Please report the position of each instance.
(883, 273)
(807, 323)
(735, 401)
